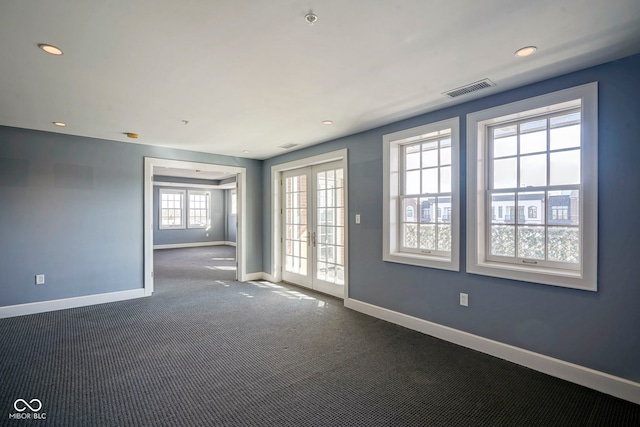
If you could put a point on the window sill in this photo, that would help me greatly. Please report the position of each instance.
(534, 274)
(438, 262)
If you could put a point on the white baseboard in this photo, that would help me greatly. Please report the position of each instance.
(268, 277)
(192, 245)
(600, 381)
(260, 276)
(254, 276)
(61, 304)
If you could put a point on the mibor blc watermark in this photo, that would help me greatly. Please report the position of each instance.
(28, 410)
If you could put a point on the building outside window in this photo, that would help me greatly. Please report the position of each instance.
(559, 213)
(410, 213)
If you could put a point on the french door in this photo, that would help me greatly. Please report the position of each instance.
(313, 215)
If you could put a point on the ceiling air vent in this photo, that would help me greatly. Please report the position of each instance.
(482, 84)
(288, 146)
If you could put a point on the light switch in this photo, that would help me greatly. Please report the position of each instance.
(357, 218)
(464, 299)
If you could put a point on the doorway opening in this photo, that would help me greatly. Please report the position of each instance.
(176, 203)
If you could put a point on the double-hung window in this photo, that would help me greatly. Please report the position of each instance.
(171, 209)
(537, 160)
(421, 193)
(199, 209)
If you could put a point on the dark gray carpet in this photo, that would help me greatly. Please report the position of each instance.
(208, 351)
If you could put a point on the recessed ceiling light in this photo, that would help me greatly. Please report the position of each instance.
(526, 51)
(49, 48)
(327, 122)
(61, 124)
(245, 151)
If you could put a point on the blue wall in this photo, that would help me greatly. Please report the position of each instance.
(72, 209)
(593, 329)
(216, 233)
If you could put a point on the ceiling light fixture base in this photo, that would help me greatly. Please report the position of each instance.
(525, 51)
(50, 49)
(311, 18)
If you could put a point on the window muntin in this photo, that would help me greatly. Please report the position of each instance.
(199, 209)
(533, 163)
(426, 188)
(421, 187)
(571, 231)
(171, 208)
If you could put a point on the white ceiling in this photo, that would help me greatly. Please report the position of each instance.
(253, 75)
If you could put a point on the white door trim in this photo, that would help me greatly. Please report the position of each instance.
(276, 203)
(241, 185)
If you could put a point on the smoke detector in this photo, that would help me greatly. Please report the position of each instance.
(311, 18)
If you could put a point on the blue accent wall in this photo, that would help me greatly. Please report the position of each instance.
(215, 233)
(598, 330)
(72, 209)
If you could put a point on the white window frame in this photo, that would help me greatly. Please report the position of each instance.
(392, 156)
(478, 262)
(180, 226)
(207, 195)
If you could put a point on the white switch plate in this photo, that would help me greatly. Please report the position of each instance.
(357, 218)
(464, 299)
(40, 279)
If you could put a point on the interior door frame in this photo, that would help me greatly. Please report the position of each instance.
(276, 212)
(241, 191)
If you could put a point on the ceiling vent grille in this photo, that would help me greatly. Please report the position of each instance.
(482, 84)
(288, 146)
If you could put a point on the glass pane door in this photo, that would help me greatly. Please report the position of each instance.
(295, 220)
(313, 215)
(329, 230)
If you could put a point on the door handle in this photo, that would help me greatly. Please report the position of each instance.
(314, 239)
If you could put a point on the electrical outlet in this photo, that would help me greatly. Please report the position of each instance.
(464, 299)
(39, 279)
